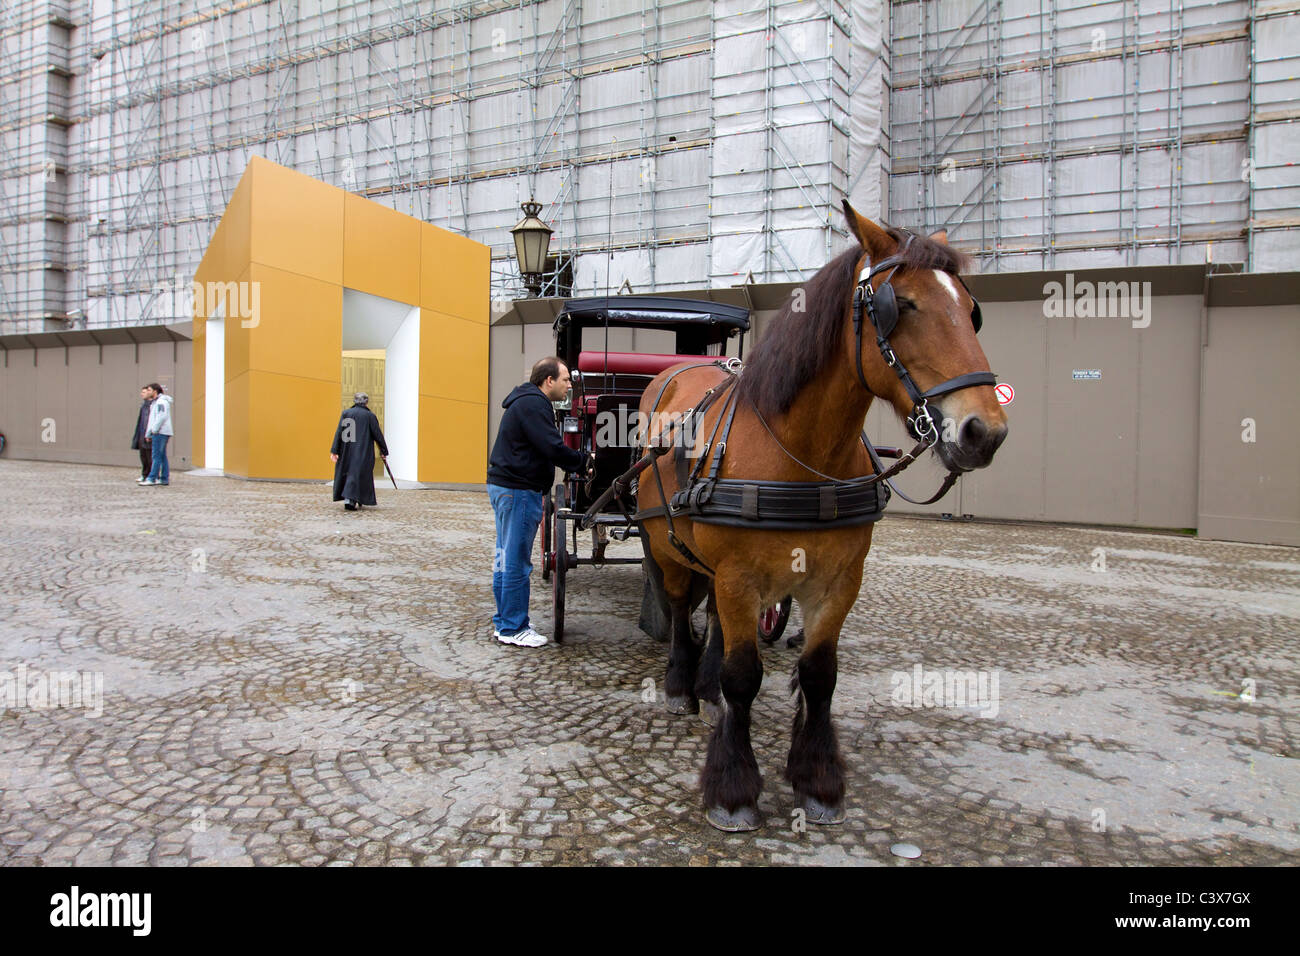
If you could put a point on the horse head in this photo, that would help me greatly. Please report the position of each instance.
(917, 344)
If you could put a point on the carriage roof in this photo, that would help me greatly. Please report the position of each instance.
(720, 321)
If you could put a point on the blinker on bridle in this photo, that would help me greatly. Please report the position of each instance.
(881, 306)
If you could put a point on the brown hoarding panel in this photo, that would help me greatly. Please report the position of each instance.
(1168, 393)
(1250, 444)
(89, 408)
(1014, 339)
(1103, 422)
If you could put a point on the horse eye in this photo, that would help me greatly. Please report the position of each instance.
(905, 304)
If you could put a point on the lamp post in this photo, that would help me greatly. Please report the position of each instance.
(532, 238)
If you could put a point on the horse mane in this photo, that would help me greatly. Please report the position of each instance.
(798, 346)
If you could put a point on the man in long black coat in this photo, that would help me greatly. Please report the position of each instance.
(140, 440)
(353, 454)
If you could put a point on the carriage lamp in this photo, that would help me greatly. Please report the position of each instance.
(532, 238)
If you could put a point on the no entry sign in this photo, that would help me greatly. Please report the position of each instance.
(1006, 394)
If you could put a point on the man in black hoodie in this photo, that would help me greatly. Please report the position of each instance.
(528, 449)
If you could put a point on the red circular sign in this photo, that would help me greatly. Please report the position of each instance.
(1006, 394)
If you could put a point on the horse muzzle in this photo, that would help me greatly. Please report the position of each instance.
(969, 444)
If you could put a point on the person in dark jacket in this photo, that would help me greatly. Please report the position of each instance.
(353, 454)
(527, 451)
(140, 440)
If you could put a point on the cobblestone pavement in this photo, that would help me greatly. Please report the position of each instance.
(287, 682)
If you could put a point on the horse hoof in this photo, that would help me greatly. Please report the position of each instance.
(682, 705)
(740, 821)
(710, 712)
(819, 813)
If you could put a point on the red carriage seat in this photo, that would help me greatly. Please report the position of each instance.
(632, 363)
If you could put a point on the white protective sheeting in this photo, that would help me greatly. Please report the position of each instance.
(866, 102)
(787, 141)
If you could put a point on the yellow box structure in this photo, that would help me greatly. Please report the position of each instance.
(297, 272)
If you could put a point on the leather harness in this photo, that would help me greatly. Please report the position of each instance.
(791, 505)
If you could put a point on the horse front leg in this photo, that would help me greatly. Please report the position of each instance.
(731, 781)
(815, 767)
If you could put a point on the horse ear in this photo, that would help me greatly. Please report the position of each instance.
(940, 236)
(868, 234)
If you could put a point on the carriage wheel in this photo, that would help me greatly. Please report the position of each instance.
(771, 623)
(548, 509)
(561, 565)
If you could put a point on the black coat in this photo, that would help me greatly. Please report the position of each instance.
(141, 424)
(529, 447)
(354, 473)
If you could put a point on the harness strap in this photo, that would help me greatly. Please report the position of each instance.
(721, 448)
(664, 387)
(666, 510)
(675, 541)
(881, 474)
(704, 452)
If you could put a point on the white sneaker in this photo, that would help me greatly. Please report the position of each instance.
(525, 638)
(530, 638)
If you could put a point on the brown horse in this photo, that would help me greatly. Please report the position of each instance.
(802, 387)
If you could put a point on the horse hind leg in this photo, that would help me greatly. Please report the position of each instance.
(683, 651)
(671, 590)
(683, 658)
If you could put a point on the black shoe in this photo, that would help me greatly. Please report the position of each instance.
(349, 506)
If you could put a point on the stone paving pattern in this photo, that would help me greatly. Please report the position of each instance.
(285, 682)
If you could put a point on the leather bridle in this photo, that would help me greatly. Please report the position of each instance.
(881, 306)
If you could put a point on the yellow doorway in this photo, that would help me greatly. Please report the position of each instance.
(363, 371)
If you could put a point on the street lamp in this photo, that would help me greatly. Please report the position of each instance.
(532, 238)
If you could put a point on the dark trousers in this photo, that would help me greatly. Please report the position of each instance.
(146, 459)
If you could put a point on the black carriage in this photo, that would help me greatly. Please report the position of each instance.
(600, 417)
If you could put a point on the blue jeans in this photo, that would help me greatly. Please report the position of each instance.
(160, 471)
(518, 514)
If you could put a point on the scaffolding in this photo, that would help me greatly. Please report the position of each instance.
(672, 144)
(1052, 133)
(35, 116)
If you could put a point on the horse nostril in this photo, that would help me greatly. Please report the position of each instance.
(977, 436)
(973, 432)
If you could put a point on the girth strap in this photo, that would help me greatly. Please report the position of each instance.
(787, 505)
